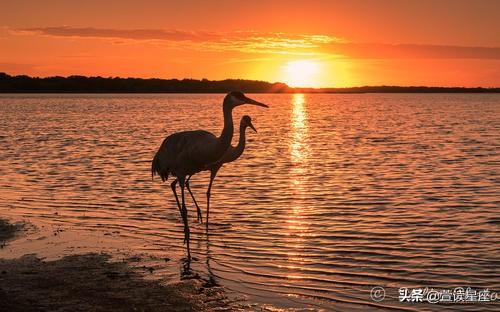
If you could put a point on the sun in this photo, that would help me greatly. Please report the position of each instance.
(301, 73)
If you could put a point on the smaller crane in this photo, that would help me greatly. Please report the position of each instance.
(232, 154)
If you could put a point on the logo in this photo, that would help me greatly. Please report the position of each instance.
(378, 293)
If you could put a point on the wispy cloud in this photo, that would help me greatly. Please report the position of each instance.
(246, 41)
(132, 34)
(408, 51)
(270, 42)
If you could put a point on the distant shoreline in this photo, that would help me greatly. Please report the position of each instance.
(100, 85)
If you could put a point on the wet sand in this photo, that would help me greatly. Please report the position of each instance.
(93, 282)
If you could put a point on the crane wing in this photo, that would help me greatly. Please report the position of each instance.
(187, 152)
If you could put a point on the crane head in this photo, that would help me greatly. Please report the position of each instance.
(236, 98)
(246, 121)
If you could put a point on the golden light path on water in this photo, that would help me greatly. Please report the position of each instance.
(299, 151)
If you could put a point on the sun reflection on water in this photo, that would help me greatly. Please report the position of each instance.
(299, 148)
(299, 132)
(299, 153)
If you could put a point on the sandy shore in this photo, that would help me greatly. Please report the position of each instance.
(92, 282)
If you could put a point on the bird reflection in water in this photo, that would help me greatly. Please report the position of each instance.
(211, 282)
(186, 271)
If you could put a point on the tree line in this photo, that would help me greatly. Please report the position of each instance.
(82, 84)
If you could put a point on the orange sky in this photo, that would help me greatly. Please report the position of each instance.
(303, 43)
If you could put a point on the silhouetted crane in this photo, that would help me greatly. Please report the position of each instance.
(185, 153)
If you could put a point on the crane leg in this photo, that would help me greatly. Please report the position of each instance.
(198, 210)
(209, 190)
(172, 185)
(185, 216)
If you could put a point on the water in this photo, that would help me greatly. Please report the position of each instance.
(334, 195)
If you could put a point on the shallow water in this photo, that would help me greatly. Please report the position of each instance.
(334, 195)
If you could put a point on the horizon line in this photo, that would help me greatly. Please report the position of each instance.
(282, 84)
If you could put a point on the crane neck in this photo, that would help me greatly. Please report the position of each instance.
(224, 141)
(241, 142)
(234, 153)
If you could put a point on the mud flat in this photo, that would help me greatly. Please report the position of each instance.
(95, 282)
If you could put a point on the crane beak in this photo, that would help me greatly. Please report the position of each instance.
(253, 128)
(254, 102)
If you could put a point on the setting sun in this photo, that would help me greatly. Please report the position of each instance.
(301, 73)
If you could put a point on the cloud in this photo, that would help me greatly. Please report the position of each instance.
(245, 41)
(133, 34)
(271, 42)
(408, 51)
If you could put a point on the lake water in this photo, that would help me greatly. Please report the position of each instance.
(334, 195)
